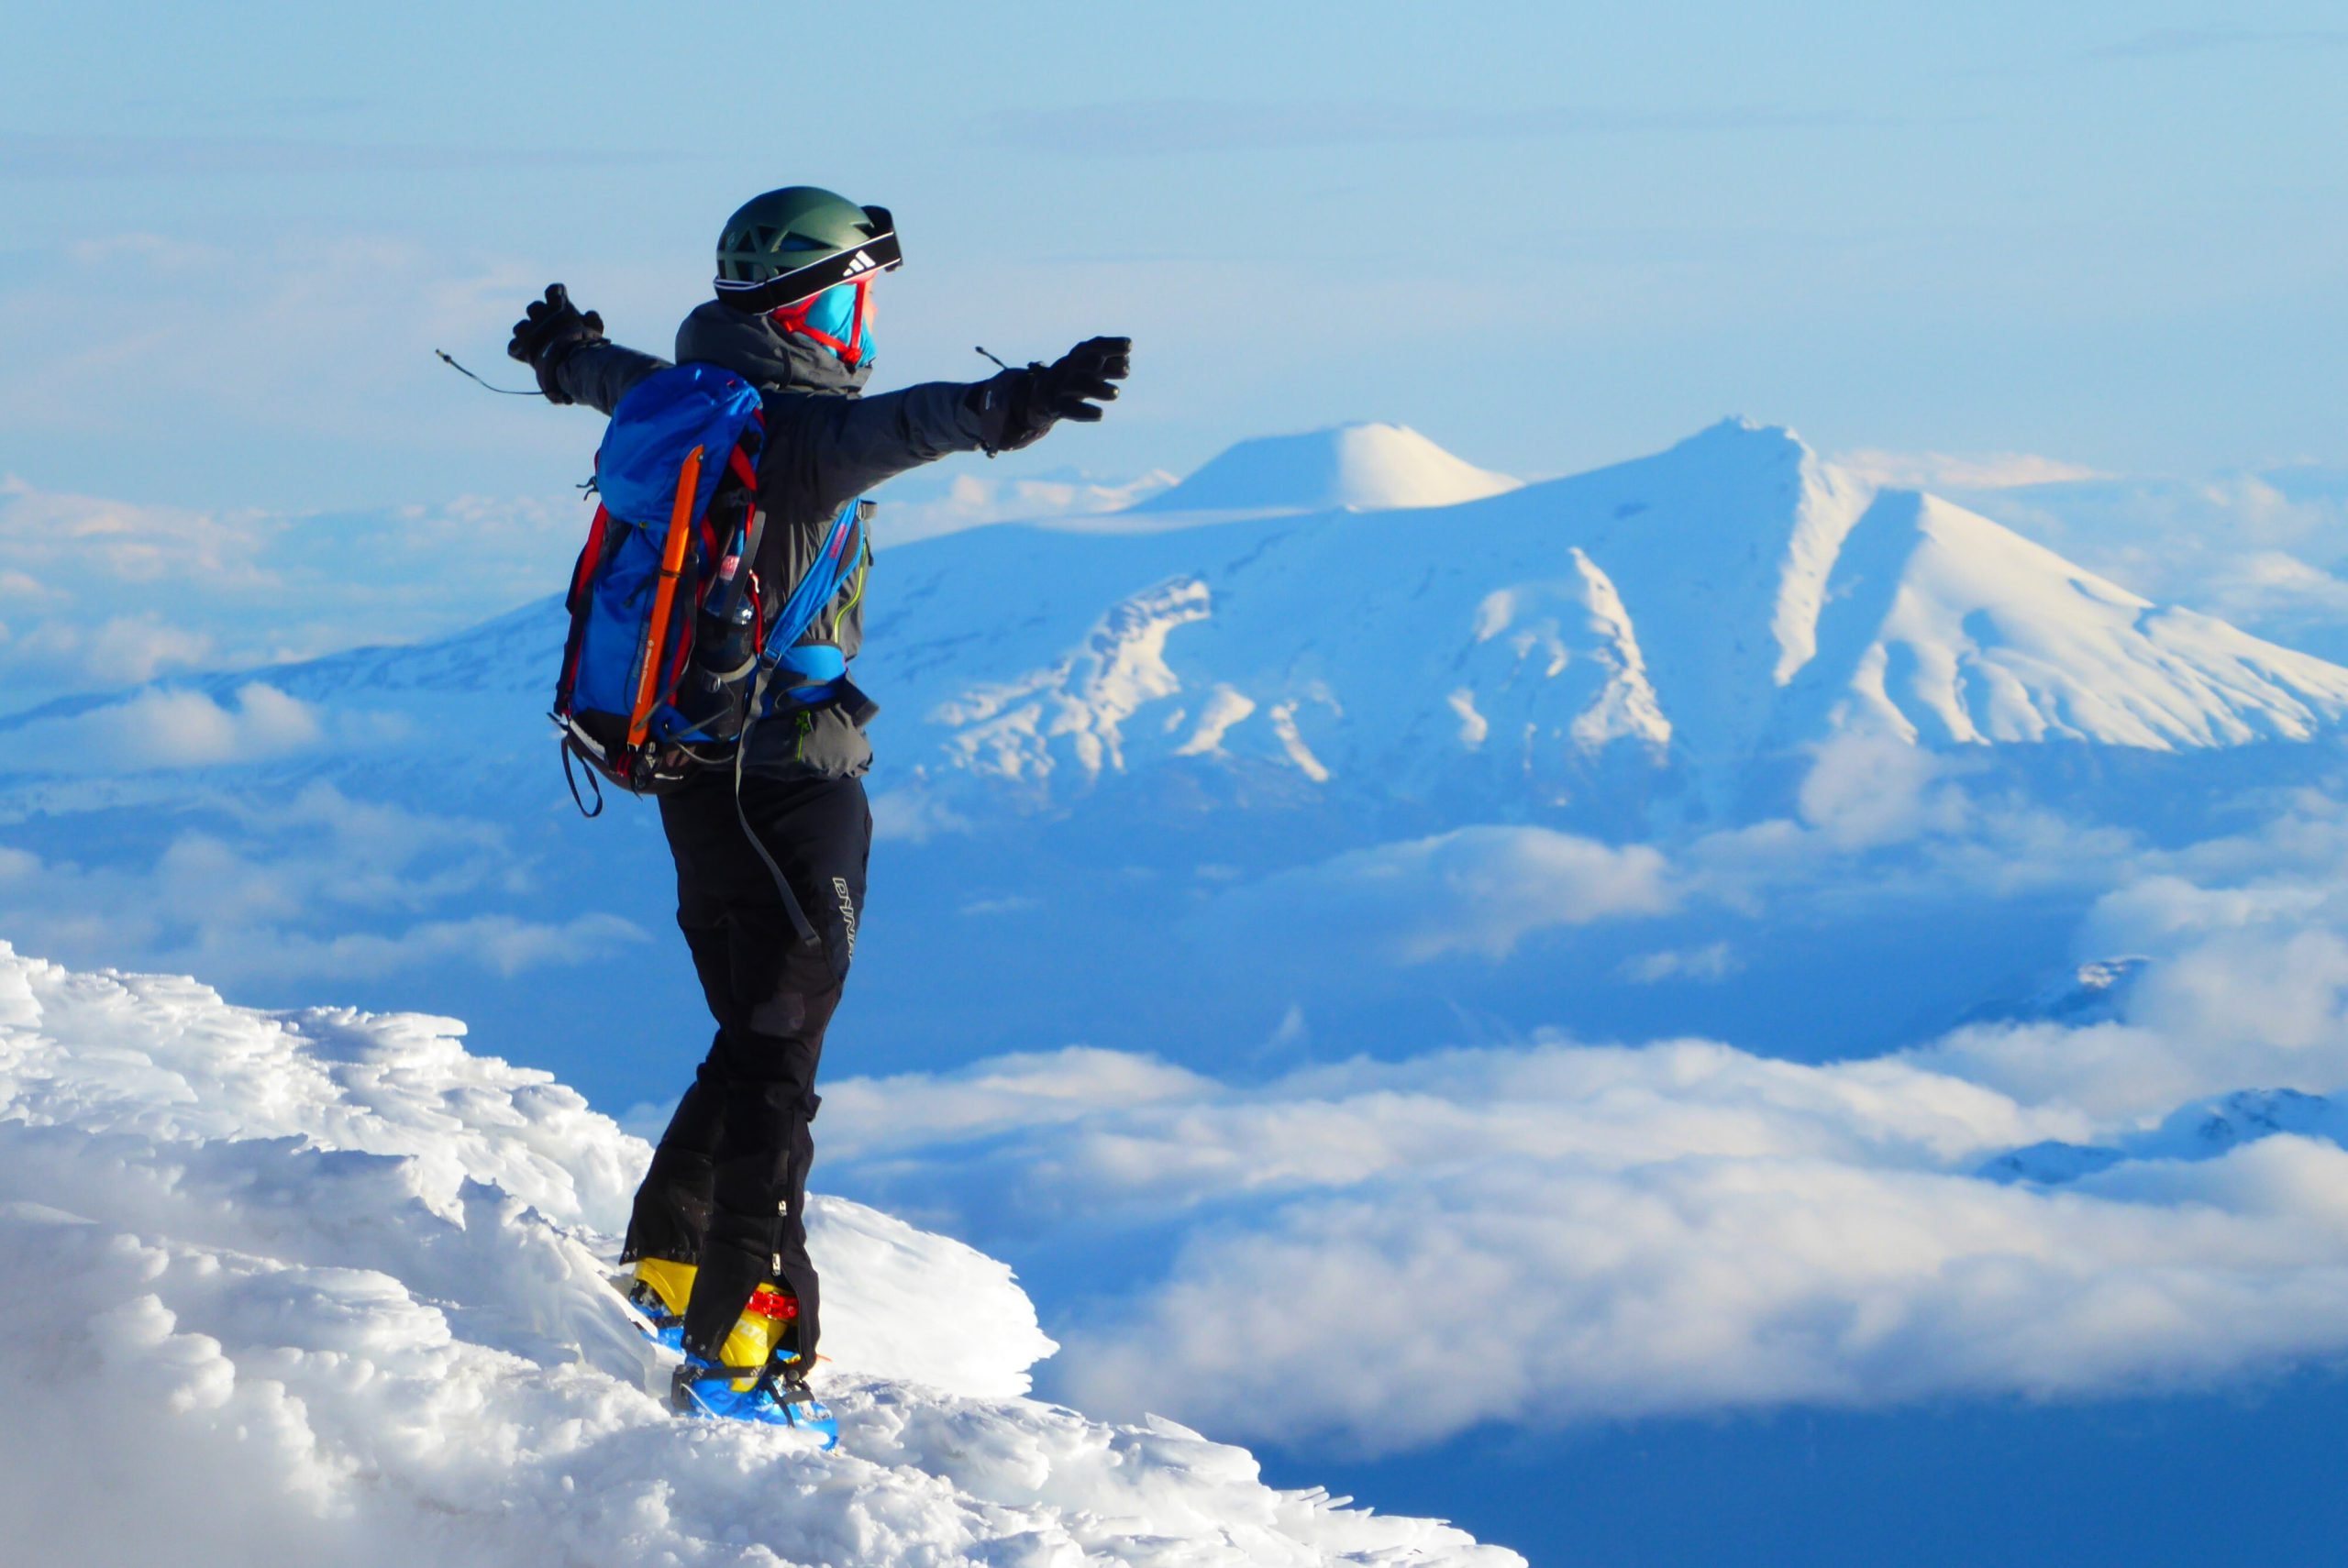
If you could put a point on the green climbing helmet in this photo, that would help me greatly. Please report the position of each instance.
(788, 245)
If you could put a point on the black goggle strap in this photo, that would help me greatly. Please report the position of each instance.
(879, 254)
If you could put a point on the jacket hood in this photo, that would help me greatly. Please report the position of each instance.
(753, 347)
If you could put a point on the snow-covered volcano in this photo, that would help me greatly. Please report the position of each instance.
(1361, 467)
(1675, 625)
(1693, 615)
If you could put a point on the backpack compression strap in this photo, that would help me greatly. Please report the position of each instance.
(673, 563)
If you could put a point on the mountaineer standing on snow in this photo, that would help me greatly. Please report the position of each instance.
(770, 846)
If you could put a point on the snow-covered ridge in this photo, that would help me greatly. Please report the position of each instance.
(324, 1286)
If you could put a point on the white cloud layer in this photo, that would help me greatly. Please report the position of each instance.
(919, 507)
(1474, 891)
(1863, 790)
(322, 886)
(188, 729)
(2247, 983)
(101, 593)
(165, 728)
(1386, 1254)
(1515, 1291)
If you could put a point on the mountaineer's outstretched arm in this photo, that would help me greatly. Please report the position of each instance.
(833, 448)
(824, 449)
(573, 360)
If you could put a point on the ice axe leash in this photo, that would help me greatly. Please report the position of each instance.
(503, 391)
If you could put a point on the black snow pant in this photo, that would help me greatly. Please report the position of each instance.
(727, 1188)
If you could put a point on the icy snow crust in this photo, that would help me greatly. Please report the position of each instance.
(324, 1287)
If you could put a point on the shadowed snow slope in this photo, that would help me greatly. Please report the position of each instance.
(1366, 468)
(323, 1287)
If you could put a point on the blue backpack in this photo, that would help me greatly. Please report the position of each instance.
(676, 648)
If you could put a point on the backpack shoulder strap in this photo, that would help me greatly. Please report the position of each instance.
(797, 667)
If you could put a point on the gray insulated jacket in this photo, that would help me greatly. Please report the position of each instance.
(824, 446)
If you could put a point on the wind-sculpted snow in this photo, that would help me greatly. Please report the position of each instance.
(1009, 730)
(1627, 705)
(324, 1287)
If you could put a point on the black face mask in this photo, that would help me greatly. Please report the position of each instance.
(756, 348)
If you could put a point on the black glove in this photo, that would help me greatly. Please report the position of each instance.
(546, 333)
(1031, 401)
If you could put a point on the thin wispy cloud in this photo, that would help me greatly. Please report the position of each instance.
(34, 155)
(1943, 470)
(2161, 43)
(197, 110)
(1198, 125)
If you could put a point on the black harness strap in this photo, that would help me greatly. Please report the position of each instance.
(571, 778)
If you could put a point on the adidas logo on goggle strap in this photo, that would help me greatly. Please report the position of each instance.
(876, 255)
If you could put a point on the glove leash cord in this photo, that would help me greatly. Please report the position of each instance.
(504, 392)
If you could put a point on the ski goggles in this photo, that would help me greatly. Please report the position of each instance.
(875, 256)
(834, 318)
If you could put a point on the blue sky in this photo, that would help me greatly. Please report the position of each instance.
(1548, 238)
